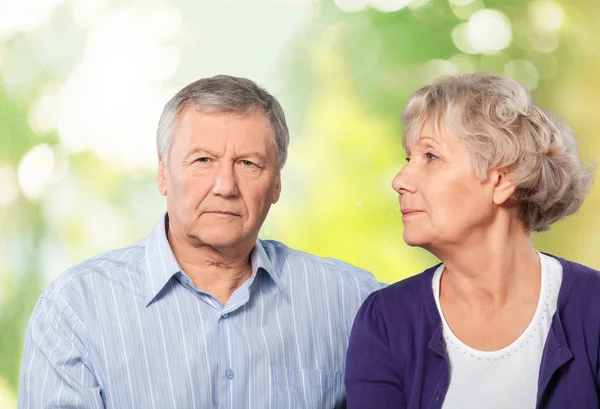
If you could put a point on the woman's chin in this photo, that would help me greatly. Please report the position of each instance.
(415, 240)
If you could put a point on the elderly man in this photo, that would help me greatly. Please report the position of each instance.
(200, 314)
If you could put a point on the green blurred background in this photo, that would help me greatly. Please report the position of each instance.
(82, 84)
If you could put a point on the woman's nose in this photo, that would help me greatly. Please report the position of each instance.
(404, 181)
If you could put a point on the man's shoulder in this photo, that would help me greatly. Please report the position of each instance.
(100, 267)
(285, 258)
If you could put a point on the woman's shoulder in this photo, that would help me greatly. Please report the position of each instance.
(405, 296)
(411, 286)
(405, 312)
(576, 271)
(579, 289)
(581, 269)
(578, 277)
(578, 301)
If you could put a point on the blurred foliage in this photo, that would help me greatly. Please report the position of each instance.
(345, 79)
(352, 80)
(22, 229)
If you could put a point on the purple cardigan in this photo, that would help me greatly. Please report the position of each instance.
(397, 357)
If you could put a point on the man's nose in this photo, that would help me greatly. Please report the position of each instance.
(225, 183)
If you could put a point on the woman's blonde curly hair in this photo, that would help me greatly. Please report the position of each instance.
(502, 128)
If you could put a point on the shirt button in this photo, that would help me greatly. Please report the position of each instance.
(437, 397)
(225, 315)
(229, 374)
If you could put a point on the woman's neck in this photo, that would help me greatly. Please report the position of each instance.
(492, 270)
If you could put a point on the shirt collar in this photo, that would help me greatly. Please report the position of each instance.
(162, 264)
(262, 260)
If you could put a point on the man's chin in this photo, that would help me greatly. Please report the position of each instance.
(221, 244)
(220, 241)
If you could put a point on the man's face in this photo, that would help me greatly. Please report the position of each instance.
(221, 179)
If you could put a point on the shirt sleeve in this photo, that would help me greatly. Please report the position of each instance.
(55, 372)
(371, 380)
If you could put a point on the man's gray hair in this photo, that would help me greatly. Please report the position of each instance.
(223, 93)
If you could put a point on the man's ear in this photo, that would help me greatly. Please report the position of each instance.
(277, 191)
(503, 187)
(162, 176)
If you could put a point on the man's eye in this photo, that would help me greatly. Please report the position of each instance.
(247, 163)
(204, 159)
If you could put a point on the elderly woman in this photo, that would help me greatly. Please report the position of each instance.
(497, 324)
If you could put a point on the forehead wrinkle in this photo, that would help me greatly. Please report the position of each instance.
(434, 139)
(251, 149)
(247, 147)
(191, 150)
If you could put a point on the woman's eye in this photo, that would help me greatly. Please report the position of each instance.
(430, 156)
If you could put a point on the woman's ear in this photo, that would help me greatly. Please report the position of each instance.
(503, 187)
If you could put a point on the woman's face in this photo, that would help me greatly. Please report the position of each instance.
(443, 203)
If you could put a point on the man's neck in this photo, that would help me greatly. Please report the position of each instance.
(218, 274)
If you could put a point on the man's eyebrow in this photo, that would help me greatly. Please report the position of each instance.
(252, 154)
(196, 150)
(199, 150)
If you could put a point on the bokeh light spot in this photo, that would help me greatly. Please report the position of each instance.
(464, 11)
(8, 181)
(35, 171)
(489, 31)
(546, 43)
(389, 6)
(351, 6)
(523, 71)
(546, 15)
(436, 68)
(461, 39)
(24, 15)
(461, 2)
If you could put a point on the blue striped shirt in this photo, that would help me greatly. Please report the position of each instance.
(128, 329)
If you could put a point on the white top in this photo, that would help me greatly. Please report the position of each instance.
(506, 378)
